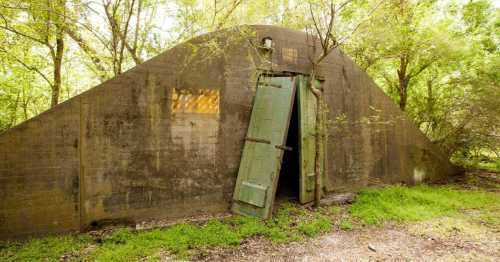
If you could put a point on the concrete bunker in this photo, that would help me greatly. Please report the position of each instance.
(166, 139)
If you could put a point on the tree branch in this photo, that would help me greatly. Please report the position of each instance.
(29, 67)
(316, 25)
(235, 4)
(420, 70)
(10, 29)
(91, 53)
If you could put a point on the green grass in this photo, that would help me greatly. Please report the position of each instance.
(319, 224)
(346, 225)
(44, 249)
(126, 245)
(288, 224)
(398, 203)
(333, 210)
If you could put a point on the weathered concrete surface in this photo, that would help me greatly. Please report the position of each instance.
(39, 174)
(165, 138)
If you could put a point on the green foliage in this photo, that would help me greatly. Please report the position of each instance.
(449, 56)
(475, 14)
(398, 203)
(44, 249)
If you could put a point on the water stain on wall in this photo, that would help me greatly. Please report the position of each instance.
(195, 122)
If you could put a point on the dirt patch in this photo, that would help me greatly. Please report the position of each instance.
(477, 179)
(390, 243)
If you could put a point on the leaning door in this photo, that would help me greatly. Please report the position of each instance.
(307, 102)
(264, 144)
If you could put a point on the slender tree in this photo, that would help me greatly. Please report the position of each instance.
(326, 34)
(43, 26)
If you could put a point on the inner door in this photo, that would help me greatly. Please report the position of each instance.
(307, 103)
(264, 144)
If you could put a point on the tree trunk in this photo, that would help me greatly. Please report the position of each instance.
(318, 154)
(25, 110)
(403, 93)
(91, 53)
(56, 88)
(317, 157)
(13, 114)
(404, 80)
(57, 55)
(430, 98)
(429, 117)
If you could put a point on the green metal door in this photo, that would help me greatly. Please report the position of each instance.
(307, 102)
(263, 150)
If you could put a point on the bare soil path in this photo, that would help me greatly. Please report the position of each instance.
(389, 243)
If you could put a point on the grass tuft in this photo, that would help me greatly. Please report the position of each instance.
(315, 226)
(346, 225)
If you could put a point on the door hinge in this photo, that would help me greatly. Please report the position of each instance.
(270, 85)
(258, 140)
(287, 148)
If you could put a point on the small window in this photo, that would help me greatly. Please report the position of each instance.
(200, 101)
(289, 55)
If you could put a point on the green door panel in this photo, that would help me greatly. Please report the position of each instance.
(253, 194)
(261, 159)
(307, 136)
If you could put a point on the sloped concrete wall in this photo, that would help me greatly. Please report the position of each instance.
(39, 174)
(372, 142)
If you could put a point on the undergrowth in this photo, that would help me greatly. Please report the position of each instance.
(486, 161)
(288, 224)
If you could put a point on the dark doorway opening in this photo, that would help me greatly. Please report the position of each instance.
(288, 180)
